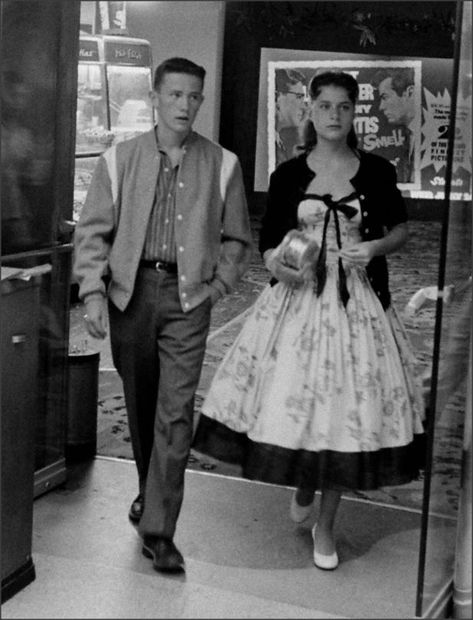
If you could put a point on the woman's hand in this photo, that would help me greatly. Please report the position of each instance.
(283, 273)
(360, 253)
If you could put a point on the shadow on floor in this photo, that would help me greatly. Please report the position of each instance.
(244, 556)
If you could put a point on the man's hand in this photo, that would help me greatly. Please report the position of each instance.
(360, 253)
(283, 273)
(215, 295)
(95, 317)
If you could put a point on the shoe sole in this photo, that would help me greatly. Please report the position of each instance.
(325, 567)
(162, 569)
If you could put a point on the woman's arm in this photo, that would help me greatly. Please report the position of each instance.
(362, 253)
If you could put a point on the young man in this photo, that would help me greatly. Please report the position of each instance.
(166, 219)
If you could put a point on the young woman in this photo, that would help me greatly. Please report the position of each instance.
(320, 390)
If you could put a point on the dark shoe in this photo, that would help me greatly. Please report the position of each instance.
(136, 509)
(164, 553)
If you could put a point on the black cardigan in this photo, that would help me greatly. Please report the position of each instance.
(382, 206)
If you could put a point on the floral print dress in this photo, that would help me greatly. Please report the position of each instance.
(319, 390)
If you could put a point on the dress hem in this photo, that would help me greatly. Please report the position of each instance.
(364, 471)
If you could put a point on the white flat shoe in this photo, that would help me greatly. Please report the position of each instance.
(325, 562)
(297, 512)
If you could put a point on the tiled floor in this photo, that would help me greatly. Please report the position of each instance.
(244, 557)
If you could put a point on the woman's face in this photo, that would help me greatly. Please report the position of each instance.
(332, 113)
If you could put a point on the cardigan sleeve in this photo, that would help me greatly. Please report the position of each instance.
(394, 211)
(278, 217)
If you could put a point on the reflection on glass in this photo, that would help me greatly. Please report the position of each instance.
(27, 136)
(441, 555)
(54, 323)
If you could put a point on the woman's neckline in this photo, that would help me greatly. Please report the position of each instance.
(357, 154)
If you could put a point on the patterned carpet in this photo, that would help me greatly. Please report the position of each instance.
(414, 268)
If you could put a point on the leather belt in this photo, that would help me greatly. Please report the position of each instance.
(159, 265)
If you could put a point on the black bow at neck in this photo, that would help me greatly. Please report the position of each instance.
(333, 206)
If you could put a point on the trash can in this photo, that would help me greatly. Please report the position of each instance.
(81, 434)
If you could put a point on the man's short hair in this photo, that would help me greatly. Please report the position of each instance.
(177, 65)
(401, 78)
(285, 78)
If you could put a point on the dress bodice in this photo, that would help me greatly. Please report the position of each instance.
(311, 215)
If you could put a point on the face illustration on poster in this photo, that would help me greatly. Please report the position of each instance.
(291, 110)
(395, 89)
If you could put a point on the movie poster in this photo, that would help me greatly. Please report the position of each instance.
(402, 114)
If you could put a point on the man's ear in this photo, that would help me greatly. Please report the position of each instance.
(409, 90)
(153, 95)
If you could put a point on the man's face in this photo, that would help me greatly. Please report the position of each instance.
(397, 108)
(291, 106)
(177, 102)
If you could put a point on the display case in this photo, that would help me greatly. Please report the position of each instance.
(113, 103)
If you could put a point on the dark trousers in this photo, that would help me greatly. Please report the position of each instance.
(158, 351)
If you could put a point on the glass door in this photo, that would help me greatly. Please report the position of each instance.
(447, 399)
(39, 42)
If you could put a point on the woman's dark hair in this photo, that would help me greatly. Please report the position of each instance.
(177, 65)
(329, 78)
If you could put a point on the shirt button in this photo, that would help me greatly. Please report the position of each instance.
(164, 246)
(181, 249)
(166, 221)
(365, 213)
(186, 305)
(166, 169)
(367, 230)
(362, 197)
(183, 278)
(169, 195)
(184, 295)
(179, 217)
(181, 184)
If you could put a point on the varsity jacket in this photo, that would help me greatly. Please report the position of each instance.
(212, 229)
(382, 207)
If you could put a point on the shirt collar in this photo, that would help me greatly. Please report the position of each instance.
(189, 139)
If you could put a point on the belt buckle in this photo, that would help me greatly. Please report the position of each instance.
(160, 266)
